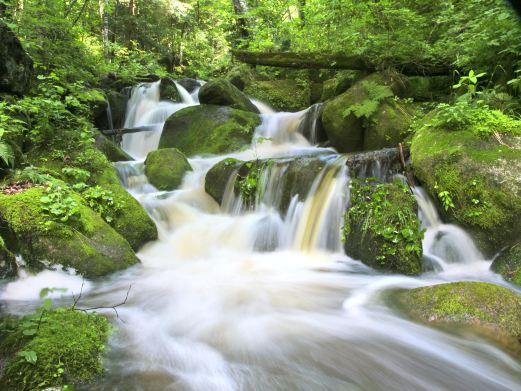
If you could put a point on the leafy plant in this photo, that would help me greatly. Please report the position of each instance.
(59, 206)
(102, 201)
(376, 93)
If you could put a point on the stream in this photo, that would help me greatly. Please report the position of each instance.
(236, 298)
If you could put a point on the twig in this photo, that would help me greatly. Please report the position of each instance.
(79, 297)
(113, 307)
(500, 140)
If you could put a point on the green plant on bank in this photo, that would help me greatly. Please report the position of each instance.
(59, 206)
(248, 185)
(469, 83)
(376, 94)
(399, 229)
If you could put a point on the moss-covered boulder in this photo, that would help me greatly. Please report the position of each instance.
(111, 150)
(168, 90)
(486, 308)
(65, 350)
(343, 117)
(16, 67)
(223, 93)
(426, 88)
(165, 168)
(508, 264)
(389, 125)
(53, 226)
(218, 176)
(282, 95)
(209, 129)
(342, 81)
(471, 166)
(382, 228)
(8, 266)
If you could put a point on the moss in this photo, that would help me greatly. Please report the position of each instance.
(382, 229)
(209, 129)
(223, 93)
(92, 247)
(282, 95)
(508, 264)
(8, 266)
(111, 150)
(389, 125)
(480, 175)
(68, 346)
(490, 308)
(165, 168)
(342, 81)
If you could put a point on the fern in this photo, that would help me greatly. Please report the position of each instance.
(375, 94)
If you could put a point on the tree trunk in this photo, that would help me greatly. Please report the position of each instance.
(241, 9)
(302, 12)
(104, 15)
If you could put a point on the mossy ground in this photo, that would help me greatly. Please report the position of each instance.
(491, 309)
(478, 170)
(382, 228)
(68, 347)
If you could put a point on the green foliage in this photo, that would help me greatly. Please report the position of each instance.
(59, 206)
(102, 201)
(376, 93)
(248, 185)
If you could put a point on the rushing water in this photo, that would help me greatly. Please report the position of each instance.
(249, 298)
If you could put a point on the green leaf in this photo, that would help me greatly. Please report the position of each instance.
(29, 355)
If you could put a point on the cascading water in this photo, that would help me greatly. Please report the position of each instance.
(251, 298)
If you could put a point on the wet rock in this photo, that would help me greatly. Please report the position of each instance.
(118, 107)
(382, 228)
(189, 84)
(168, 90)
(111, 150)
(165, 168)
(223, 93)
(471, 169)
(485, 308)
(86, 243)
(508, 264)
(209, 129)
(218, 176)
(282, 95)
(16, 67)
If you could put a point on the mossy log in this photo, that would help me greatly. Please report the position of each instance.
(328, 61)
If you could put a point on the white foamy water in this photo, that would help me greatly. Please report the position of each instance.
(249, 298)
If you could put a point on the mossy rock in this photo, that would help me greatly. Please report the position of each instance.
(223, 93)
(218, 177)
(165, 168)
(111, 150)
(282, 95)
(90, 246)
(426, 88)
(389, 125)
(474, 172)
(189, 85)
(508, 264)
(168, 90)
(8, 266)
(382, 229)
(209, 129)
(316, 93)
(68, 347)
(486, 308)
(342, 81)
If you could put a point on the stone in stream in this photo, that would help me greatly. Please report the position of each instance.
(168, 90)
(209, 129)
(508, 264)
(188, 84)
(382, 229)
(471, 168)
(223, 93)
(16, 67)
(84, 242)
(165, 168)
(281, 95)
(484, 308)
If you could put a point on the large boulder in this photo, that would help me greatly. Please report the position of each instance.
(471, 167)
(168, 90)
(508, 264)
(66, 350)
(389, 125)
(485, 308)
(165, 168)
(382, 228)
(82, 241)
(282, 95)
(16, 67)
(209, 129)
(223, 93)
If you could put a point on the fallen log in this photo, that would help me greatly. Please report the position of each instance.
(118, 132)
(328, 61)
